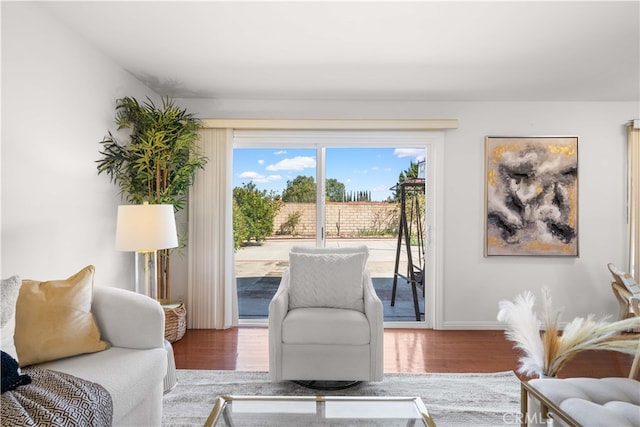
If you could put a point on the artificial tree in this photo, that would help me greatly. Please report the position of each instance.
(158, 162)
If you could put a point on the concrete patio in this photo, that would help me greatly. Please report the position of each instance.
(259, 270)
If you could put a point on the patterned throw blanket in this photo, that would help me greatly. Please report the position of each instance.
(56, 399)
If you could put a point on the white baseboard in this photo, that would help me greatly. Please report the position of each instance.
(478, 326)
(447, 326)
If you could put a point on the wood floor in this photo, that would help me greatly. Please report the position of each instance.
(405, 350)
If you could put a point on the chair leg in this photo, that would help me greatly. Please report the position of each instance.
(524, 406)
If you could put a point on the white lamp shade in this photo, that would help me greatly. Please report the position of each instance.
(146, 228)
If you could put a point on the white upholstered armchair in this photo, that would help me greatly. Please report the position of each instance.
(325, 320)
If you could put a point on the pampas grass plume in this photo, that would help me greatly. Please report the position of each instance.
(544, 354)
(524, 331)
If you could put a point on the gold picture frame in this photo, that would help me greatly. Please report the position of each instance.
(531, 196)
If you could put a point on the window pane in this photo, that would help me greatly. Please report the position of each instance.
(264, 225)
(363, 208)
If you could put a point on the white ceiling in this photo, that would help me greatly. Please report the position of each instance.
(425, 50)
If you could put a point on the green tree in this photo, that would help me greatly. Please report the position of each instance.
(335, 190)
(258, 210)
(410, 172)
(363, 196)
(240, 232)
(301, 190)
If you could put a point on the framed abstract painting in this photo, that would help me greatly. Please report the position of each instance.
(531, 196)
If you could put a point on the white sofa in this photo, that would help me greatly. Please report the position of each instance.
(133, 368)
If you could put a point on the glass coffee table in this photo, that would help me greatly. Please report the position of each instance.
(309, 411)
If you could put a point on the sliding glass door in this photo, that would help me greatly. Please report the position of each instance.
(329, 189)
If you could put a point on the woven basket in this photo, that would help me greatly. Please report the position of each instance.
(175, 322)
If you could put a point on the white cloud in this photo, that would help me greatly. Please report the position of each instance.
(295, 164)
(279, 153)
(257, 177)
(250, 175)
(261, 162)
(416, 153)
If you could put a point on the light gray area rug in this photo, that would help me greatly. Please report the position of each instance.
(451, 399)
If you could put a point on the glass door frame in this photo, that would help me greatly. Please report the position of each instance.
(431, 141)
(321, 189)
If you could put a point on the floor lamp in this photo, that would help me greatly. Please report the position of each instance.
(144, 229)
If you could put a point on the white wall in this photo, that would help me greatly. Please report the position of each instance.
(473, 284)
(58, 99)
(58, 215)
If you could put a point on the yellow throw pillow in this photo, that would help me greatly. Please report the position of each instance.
(54, 320)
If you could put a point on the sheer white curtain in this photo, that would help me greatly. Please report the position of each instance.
(212, 298)
(633, 136)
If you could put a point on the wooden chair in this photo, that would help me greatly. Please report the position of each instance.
(626, 291)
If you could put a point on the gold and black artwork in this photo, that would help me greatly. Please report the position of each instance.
(531, 196)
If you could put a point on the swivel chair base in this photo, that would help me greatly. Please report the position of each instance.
(326, 385)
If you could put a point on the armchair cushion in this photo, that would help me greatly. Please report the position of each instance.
(319, 325)
(326, 280)
(360, 249)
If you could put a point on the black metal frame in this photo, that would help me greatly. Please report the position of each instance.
(415, 272)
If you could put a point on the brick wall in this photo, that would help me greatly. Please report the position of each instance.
(342, 219)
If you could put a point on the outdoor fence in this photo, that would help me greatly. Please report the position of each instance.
(343, 219)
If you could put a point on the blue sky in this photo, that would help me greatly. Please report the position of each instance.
(359, 169)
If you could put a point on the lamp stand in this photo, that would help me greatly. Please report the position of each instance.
(146, 273)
